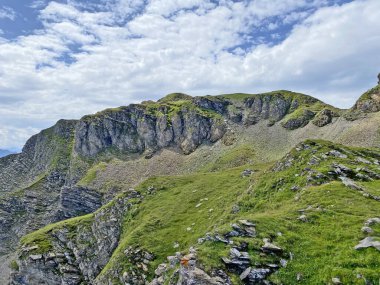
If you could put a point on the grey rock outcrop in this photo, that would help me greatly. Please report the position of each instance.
(37, 157)
(77, 201)
(299, 121)
(323, 118)
(133, 129)
(78, 251)
(270, 107)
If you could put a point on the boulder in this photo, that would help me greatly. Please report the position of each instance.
(323, 118)
(372, 221)
(368, 242)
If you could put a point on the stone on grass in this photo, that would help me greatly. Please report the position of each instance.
(367, 230)
(372, 221)
(350, 183)
(302, 218)
(270, 247)
(368, 242)
(246, 223)
(336, 281)
(337, 154)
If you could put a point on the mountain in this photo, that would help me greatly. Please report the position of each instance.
(4, 152)
(264, 188)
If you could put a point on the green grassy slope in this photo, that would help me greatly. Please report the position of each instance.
(181, 209)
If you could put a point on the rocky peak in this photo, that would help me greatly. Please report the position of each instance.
(369, 102)
(38, 156)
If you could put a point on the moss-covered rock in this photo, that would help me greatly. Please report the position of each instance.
(369, 102)
(323, 118)
(298, 119)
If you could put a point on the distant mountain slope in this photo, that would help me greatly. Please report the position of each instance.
(4, 152)
(76, 166)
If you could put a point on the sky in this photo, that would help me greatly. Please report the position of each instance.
(67, 58)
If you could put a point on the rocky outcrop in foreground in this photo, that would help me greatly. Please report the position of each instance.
(77, 251)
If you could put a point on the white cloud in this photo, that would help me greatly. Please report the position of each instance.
(36, 4)
(7, 13)
(131, 51)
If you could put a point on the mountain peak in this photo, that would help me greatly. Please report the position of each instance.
(369, 102)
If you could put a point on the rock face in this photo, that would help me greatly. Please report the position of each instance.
(34, 208)
(271, 107)
(77, 201)
(153, 126)
(300, 121)
(134, 129)
(30, 183)
(77, 251)
(37, 156)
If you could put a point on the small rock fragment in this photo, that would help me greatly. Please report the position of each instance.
(283, 262)
(161, 269)
(270, 247)
(245, 273)
(302, 218)
(336, 281)
(35, 257)
(246, 223)
(367, 230)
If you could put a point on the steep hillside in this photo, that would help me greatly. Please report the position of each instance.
(298, 219)
(75, 167)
